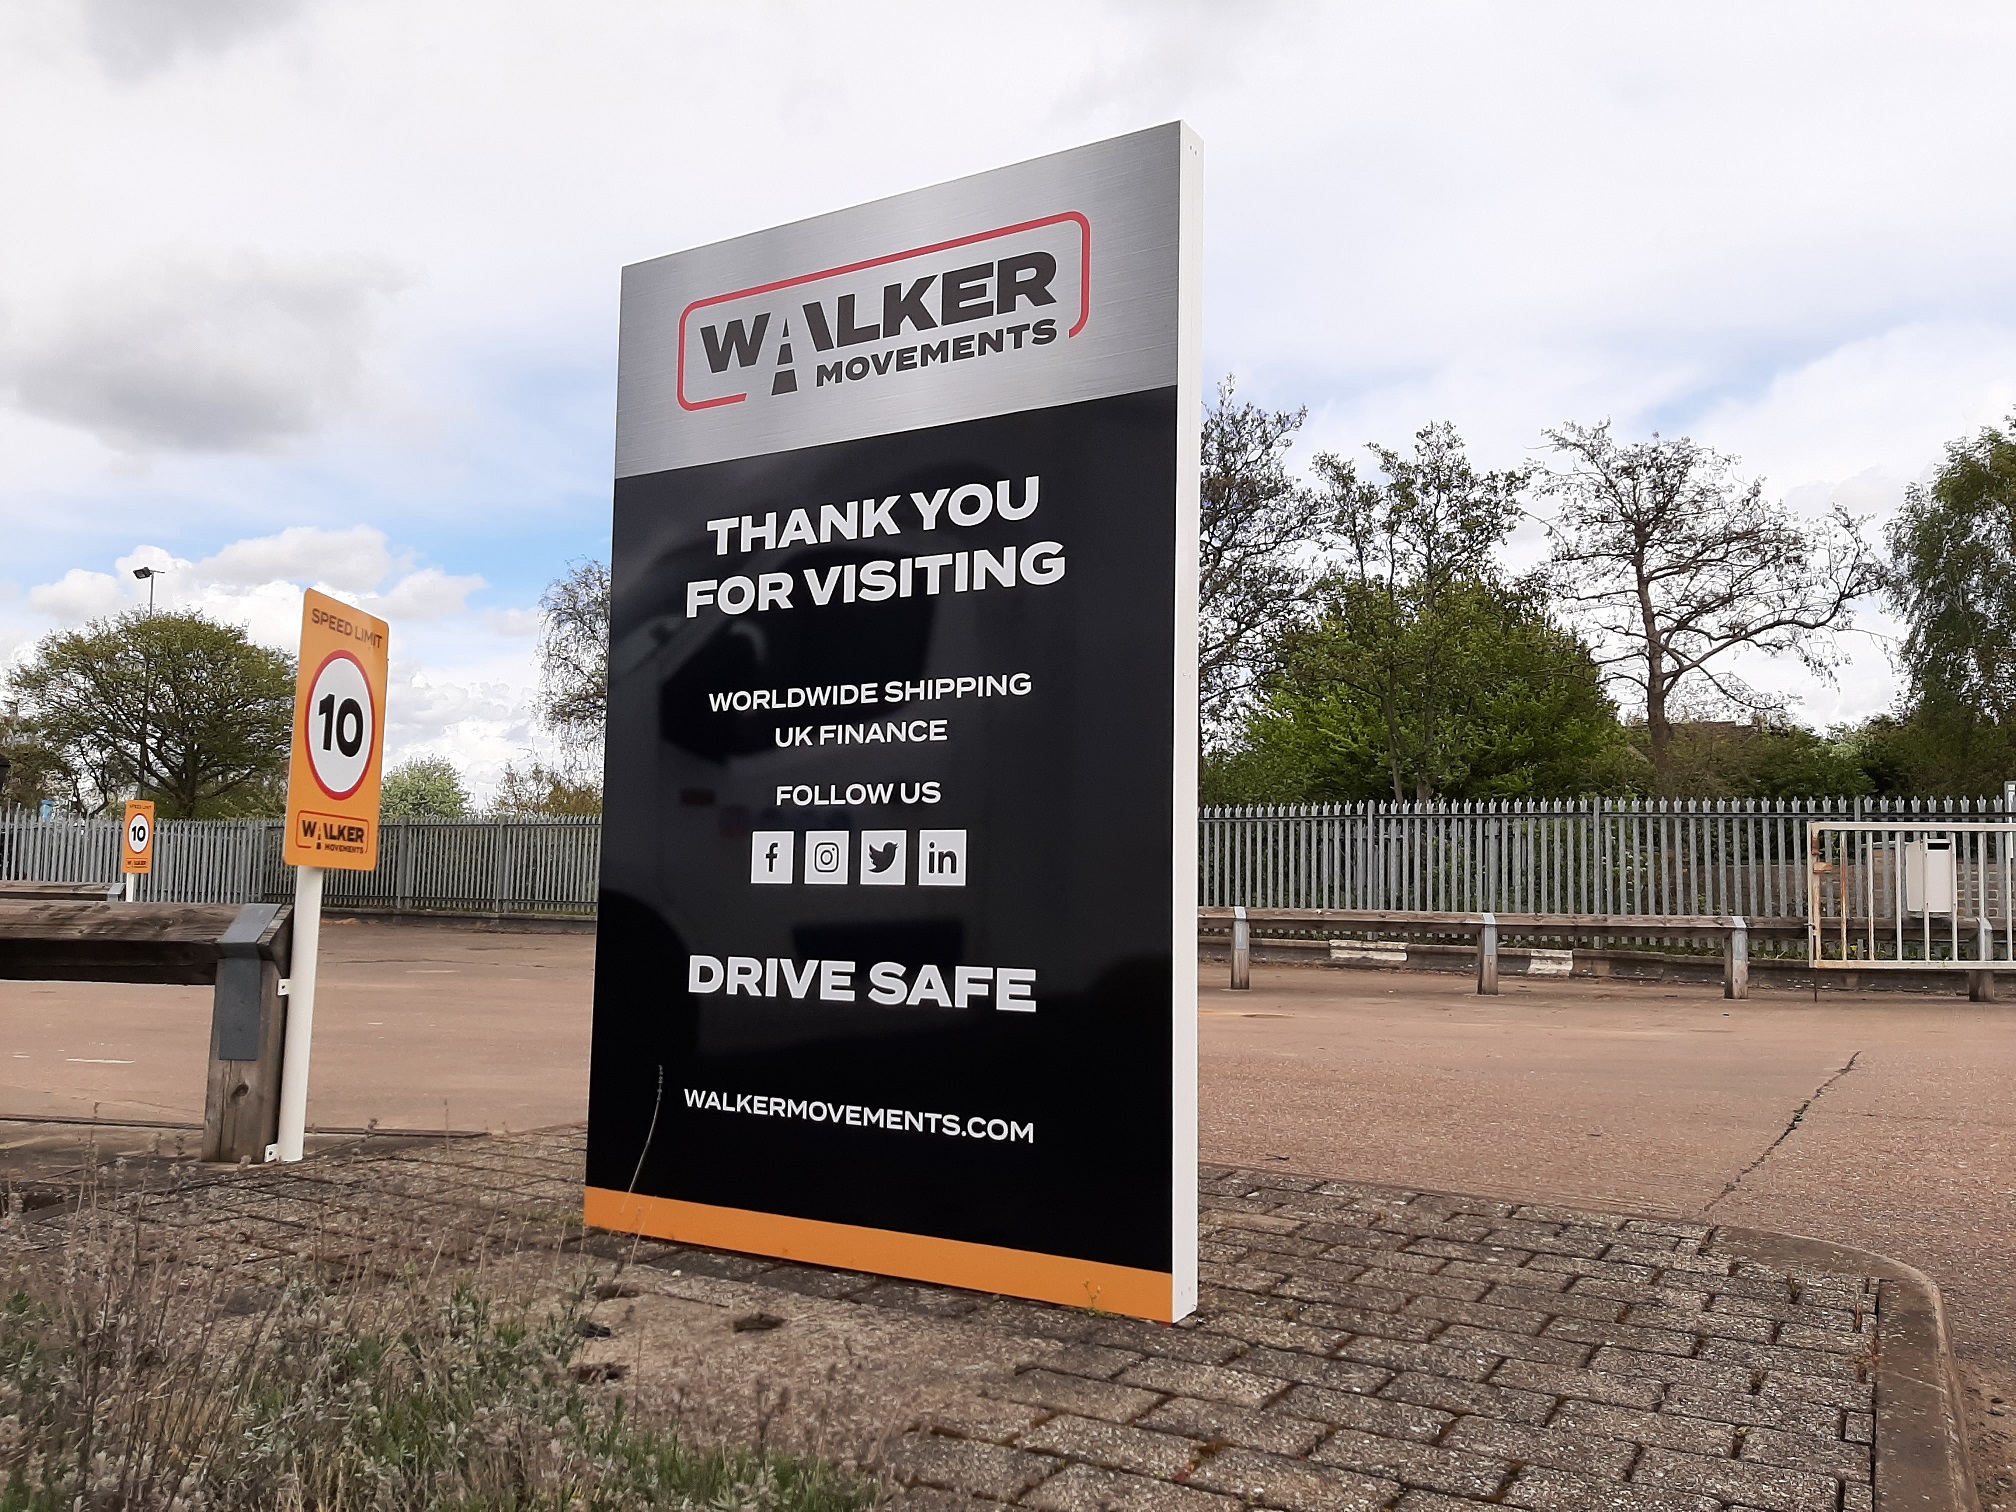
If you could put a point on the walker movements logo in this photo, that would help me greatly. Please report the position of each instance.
(1011, 290)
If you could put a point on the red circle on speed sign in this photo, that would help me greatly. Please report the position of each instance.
(341, 725)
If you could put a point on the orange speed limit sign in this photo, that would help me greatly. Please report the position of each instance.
(339, 738)
(136, 855)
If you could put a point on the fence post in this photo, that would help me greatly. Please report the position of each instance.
(500, 845)
(1242, 951)
(1981, 984)
(1736, 960)
(1487, 957)
(405, 834)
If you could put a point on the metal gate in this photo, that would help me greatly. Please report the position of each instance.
(1910, 895)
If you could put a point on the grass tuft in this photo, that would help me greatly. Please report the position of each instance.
(151, 1384)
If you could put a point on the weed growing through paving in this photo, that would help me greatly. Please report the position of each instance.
(144, 1381)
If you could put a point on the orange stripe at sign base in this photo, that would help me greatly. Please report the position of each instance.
(915, 1257)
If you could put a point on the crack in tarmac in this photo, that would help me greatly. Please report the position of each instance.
(1798, 1114)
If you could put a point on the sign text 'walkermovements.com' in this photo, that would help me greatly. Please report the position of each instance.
(855, 1116)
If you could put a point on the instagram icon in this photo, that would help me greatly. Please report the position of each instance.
(826, 856)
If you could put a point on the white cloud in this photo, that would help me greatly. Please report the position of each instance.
(424, 595)
(1881, 406)
(135, 38)
(428, 708)
(356, 560)
(516, 622)
(79, 596)
(479, 723)
(202, 355)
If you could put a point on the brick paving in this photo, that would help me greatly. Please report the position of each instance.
(1356, 1348)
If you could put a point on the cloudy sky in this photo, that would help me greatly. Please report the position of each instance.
(323, 291)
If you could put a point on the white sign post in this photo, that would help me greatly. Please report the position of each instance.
(300, 1035)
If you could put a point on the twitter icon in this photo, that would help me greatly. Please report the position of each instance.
(885, 858)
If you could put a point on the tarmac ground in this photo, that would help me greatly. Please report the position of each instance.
(1877, 1120)
(416, 1027)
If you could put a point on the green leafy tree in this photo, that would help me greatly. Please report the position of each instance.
(1401, 613)
(1518, 709)
(1424, 672)
(1673, 565)
(1761, 758)
(1953, 580)
(171, 706)
(540, 791)
(29, 771)
(1262, 538)
(1934, 749)
(424, 787)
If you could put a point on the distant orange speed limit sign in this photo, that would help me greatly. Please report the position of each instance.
(339, 738)
(136, 856)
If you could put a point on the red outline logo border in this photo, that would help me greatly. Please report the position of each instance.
(1084, 293)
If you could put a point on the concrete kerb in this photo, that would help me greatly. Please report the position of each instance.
(472, 923)
(1921, 1420)
(1637, 967)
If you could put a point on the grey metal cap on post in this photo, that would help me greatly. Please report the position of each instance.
(238, 988)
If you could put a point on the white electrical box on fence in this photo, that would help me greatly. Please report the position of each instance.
(1928, 876)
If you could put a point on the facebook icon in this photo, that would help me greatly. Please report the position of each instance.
(770, 855)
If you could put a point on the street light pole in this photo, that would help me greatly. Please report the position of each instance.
(146, 575)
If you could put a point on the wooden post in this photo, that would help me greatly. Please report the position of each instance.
(1487, 956)
(1981, 984)
(1736, 960)
(248, 1026)
(1242, 951)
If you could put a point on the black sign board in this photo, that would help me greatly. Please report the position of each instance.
(896, 956)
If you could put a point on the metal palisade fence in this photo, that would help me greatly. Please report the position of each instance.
(1589, 856)
(1583, 856)
(521, 867)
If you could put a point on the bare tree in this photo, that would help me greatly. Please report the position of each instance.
(1262, 537)
(1674, 564)
(574, 654)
